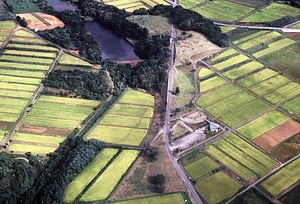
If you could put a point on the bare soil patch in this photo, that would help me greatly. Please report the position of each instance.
(60, 132)
(277, 134)
(295, 36)
(34, 22)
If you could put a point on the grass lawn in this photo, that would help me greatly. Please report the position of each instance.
(211, 83)
(262, 124)
(67, 59)
(163, 199)
(118, 135)
(243, 69)
(16, 86)
(69, 101)
(15, 94)
(283, 178)
(132, 110)
(217, 187)
(256, 77)
(251, 150)
(35, 149)
(125, 121)
(7, 25)
(109, 179)
(201, 167)
(230, 103)
(22, 73)
(217, 95)
(232, 164)
(226, 53)
(137, 97)
(37, 138)
(283, 93)
(244, 112)
(240, 156)
(269, 84)
(50, 55)
(292, 106)
(87, 174)
(230, 62)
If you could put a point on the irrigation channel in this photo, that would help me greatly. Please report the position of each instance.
(112, 46)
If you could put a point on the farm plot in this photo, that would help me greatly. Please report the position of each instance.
(190, 3)
(23, 66)
(205, 73)
(256, 77)
(217, 187)
(292, 106)
(128, 121)
(224, 11)
(226, 53)
(42, 48)
(262, 124)
(277, 45)
(216, 95)
(15, 86)
(201, 167)
(50, 55)
(283, 179)
(283, 93)
(129, 5)
(7, 25)
(67, 59)
(15, 94)
(243, 69)
(24, 33)
(109, 179)
(33, 138)
(35, 149)
(26, 40)
(164, 198)
(269, 84)
(242, 38)
(69, 101)
(210, 83)
(21, 80)
(231, 62)
(88, 174)
(259, 40)
(21, 73)
(272, 12)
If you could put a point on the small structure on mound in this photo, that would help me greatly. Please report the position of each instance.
(214, 127)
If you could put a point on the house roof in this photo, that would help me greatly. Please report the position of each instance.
(213, 126)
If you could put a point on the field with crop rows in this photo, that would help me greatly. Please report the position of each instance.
(210, 83)
(67, 59)
(127, 122)
(225, 54)
(110, 177)
(242, 70)
(230, 62)
(272, 12)
(161, 198)
(49, 122)
(205, 73)
(292, 106)
(5, 28)
(283, 179)
(130, 5)
(217, 187)
(221, 10)
(190, 3)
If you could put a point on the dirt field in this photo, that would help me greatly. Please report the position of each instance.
(59, 132)
(295, 36)
(277, 134)
(135, 183)
(33, 22)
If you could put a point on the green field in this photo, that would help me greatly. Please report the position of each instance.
(125, 121)
(201, 167)
(35, 149)
(163, 199)
(217, 95)
(229, 103)
(190, 3)
(51, 122)
(262, 124)
(297, 25)
(15, 86)
(7, 25)
(244, 112)
(243, 158)
(109, 179)
(272, 12)
(292, 106)
(8, 108)
(13, 101)
(15, 94)
(50, 55)
(118, 135)
(242, 38)
(269, 84)
(204, 72)
(224, 11)
(23, 80)
(283, 178)
(243, 69)
(23, 73)
(67, 59)
(217, 187)
(228, 161)
(24, 66)
(27, 40)
(24, 33)
(9, 117)
(41, 48)
(211, 83)
(132, 110)
(137, 98)
(62, 107)
(69, 101)
(250, 150)
(230, 62)
(74, 116)
(87, 174)
(283, 93)
(37, 138)
(256, 77)
(26, 59)
(130, 5)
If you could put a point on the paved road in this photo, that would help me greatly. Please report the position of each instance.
(287, 30)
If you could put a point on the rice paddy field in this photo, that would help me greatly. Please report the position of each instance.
(130, 6)
(230, 62)
(272, 12)
(67, 60)
(282, 179)
(210, 83)
(5, 28)
(221, 10)
(127, 122)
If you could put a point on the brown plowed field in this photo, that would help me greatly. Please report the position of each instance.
(59, 132)
(277, 134)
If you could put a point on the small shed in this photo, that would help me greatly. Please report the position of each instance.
(215, 127)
